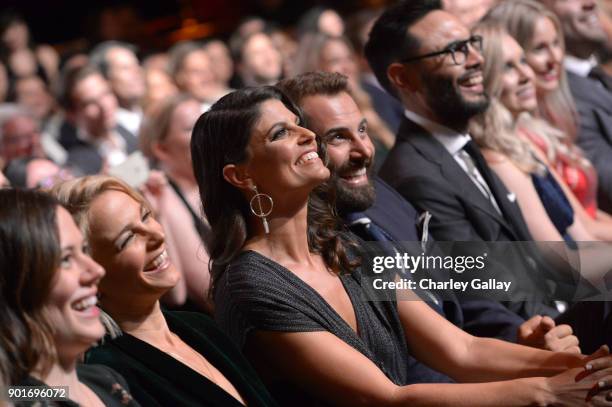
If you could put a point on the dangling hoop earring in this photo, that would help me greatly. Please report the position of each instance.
(260, 212)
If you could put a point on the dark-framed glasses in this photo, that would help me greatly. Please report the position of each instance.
(459, 50)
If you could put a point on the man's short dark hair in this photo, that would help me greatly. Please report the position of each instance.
(313, 83)
(69, 80)
(390, 40)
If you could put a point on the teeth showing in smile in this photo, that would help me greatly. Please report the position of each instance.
(474, 80)
(307, 157)
(360, 172)
(157, 262)
(85, 303)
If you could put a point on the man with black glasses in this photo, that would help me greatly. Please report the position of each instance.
(435, 69)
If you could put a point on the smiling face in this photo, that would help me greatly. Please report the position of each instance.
(452, 93)
(283, 157)
(518, 91)
(72, 307)
(545, 54)
(129, 243)
(581, 25)
(344, 130)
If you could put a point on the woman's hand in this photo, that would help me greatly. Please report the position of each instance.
(590, 385)
(567, 389)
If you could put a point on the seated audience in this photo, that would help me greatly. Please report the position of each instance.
(165, 140)
(501, 132)
(159, 87)
(118, 62)
(288, 286)
(538, 31)
(168, 358)
(91, 135)
(48, 286)
(584, 36)
(21, 56)
(191, 69)
(221, 63)
(434, 164)
(320, 20)
(287, 46)
(256, 59)
(375, 212)
(33, 93)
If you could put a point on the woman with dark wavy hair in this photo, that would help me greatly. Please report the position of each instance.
(288, 286)
(48, 318)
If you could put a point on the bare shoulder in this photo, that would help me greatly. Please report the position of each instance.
(494, 157)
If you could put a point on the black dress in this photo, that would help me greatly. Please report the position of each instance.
(158, 379)
(109, 386)
(256, 293)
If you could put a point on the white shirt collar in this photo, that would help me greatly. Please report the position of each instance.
(452, 140)
(578, 66)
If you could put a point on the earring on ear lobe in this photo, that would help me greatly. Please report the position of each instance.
(260, 212)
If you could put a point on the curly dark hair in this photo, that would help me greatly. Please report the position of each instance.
(220, 137)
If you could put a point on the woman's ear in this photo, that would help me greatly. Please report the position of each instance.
(238, 176)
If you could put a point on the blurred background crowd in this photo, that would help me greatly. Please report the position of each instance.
(520, 103)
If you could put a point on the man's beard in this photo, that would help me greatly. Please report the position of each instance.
(449, 105)
(353, 198)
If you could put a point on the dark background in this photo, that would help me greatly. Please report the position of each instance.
(155, 24)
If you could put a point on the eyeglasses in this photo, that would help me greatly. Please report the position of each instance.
(459, 50)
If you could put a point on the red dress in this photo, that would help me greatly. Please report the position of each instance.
(581, 179)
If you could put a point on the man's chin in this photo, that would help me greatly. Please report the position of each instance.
(352, 198)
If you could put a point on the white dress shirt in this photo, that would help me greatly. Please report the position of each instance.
(453, 142)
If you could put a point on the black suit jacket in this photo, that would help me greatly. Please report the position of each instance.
(399, 219)
(84, 157)
(594, 103)
(424, 173)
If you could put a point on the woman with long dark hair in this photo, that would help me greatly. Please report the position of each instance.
(48, 287)
(287, 285)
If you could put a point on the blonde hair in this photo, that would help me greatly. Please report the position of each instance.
(77, 196)
(496, 129)
(519, 17)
